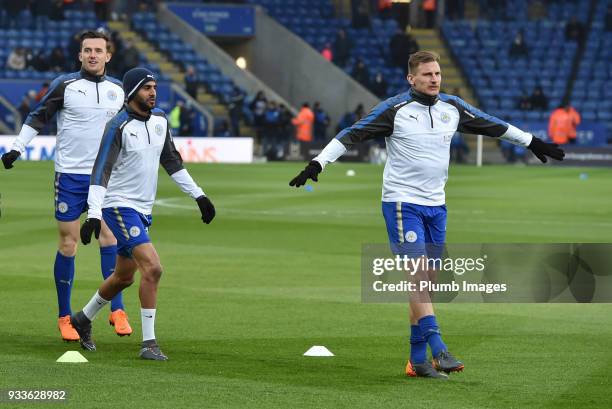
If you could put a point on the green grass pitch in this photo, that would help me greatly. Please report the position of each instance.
(279, 271)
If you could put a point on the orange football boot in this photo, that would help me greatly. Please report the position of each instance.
(66, 329)
(119, 320)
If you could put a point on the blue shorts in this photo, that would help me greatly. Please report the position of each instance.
(415, 230)
(71, 191)
(130, 228)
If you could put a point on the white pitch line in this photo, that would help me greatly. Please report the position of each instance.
(169, 203)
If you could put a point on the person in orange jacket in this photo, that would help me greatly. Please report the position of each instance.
(562, 124)
(303, 124)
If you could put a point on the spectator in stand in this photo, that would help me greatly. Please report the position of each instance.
(454, 9)
(101, 8)
(429, 7)
(74, 47)
(608, 19)
(321, 122)
(39, 62)
(235, 107)
(342, 48)
(574, 30)
(458, 148)
(360, 13)
(186, 118)
(174, 119)
(379, 85)
(57, 60)
(327, 53)
(519, 48)
(258, 108)
(563, 123)
(42, 92)
(538, 100)
(524, 103)
(17, 59)
(384, 9)
(129, 56)
(192, 82)
(537, 10)
(401, 46)
(359, 112)
(303, 123)
(350, 118)
(221, 129)
(285, 126)
(360, 73)
(57, 10)
(271, 127)
(27, 103)
(13, 9)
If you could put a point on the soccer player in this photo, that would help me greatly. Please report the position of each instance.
(122, 192)
(418, 126)
(84, 101)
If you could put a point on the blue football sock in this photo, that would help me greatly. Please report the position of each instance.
(108, 257)
(418, 345)
(63, 271)
(431, 333)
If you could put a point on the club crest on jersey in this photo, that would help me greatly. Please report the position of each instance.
(111, 94)
(159, 129)
(134, 231)
(411, 236)
(445, 117)
(62, 207)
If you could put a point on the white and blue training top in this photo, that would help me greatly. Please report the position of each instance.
(83, 103)
(418, 130)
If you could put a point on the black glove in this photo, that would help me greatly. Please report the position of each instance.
(90, 226)
(311, 171)
(10, 157)
(543, 149)
(206, 208)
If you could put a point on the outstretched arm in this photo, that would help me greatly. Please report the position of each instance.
(475, 121)
(378, 123)
(36, 121)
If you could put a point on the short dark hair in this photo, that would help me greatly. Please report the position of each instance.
(94, 34)
(421, 57)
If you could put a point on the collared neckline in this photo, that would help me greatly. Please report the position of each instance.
(423, 98)
(90, 77)
(135, 114)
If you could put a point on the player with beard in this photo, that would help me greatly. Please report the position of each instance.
(122, 192)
